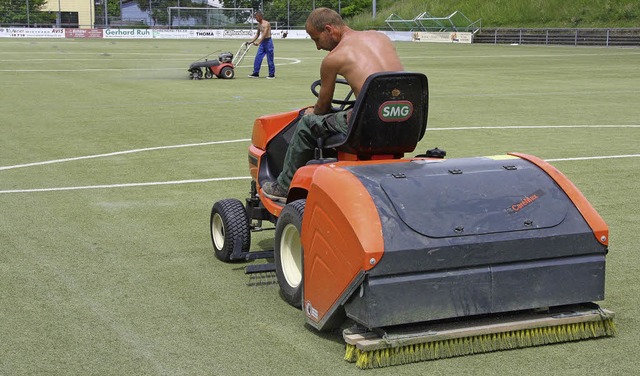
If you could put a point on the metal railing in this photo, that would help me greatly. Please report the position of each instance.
(573, 37)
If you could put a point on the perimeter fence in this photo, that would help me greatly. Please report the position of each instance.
(573, 37)
(164, 13)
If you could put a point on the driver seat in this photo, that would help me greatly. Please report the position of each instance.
(388, 119)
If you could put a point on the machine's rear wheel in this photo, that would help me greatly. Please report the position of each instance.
(196, 74)
(227, 72)
(289, 254)
(229, 228)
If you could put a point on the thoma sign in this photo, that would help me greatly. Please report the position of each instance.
(395, 111)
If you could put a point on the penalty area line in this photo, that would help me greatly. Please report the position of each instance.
(32, 164)
(125, 185)
(193, 181)
(592, 158)
(120, 153)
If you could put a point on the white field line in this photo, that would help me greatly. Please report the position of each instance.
(605, 52)
(192, 181)
(120, 153)
(532, 127)
(290, 62)
(125, 185)
(593, 158)
(246, 140)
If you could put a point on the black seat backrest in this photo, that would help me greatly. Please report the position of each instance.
(388, 118)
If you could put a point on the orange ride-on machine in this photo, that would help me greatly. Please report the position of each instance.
(223, 67)
(422, 257)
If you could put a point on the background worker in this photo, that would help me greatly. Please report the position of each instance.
(354, 55)
(265, 47)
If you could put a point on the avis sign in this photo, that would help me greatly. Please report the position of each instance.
(395, 111)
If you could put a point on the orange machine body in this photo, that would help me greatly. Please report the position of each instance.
(396, 241)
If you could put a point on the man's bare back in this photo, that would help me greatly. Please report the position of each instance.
(360, 54)
(354, 55)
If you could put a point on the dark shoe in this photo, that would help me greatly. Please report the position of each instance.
(271, 77)
(254, 75)
(274, 191)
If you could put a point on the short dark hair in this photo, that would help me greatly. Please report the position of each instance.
(324, 16)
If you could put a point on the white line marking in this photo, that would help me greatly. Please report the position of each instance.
(291, 62)
(126, 185)
(246, 140)
(533, 127)
(593, 158)
(560, 55)
(120, 153)
(192, 181)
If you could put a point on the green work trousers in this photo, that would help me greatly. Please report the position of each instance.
(305, 140)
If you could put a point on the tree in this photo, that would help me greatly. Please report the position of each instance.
(254, 4)
(158, 8)
(355, 7)
(113, 11)
(295, 12)
(15, 12)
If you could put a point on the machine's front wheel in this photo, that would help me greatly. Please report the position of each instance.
(229, 228)
(289, 254)
(208, 74)
(227, 72)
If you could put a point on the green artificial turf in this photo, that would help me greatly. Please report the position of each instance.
(100, 278)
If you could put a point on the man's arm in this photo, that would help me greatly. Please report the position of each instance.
(253, 41)
(328, 75)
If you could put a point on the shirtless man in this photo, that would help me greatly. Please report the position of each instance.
(354, 55)
(265, 47)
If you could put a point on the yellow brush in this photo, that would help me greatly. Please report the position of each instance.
(465, 337)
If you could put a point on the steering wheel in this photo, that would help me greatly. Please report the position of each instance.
(343, 104)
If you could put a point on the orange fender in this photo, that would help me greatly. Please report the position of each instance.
(341, 237)
(594, 220)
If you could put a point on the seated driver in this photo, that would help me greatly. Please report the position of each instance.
(354, 55)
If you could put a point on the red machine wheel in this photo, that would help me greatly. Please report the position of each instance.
(289, 254)
(229, 226)
(227, 72)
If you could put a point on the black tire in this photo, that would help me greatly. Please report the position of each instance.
(208, 74)
(229, 226)
(227, 72)
(196, 73)
(288, 254)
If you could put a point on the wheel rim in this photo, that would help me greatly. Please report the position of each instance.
(291, 255)
(217, 231)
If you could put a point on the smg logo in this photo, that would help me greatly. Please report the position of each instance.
(395, 111)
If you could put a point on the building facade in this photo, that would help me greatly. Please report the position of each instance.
(72, 13)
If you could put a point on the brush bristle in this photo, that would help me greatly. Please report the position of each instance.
(479, 344)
